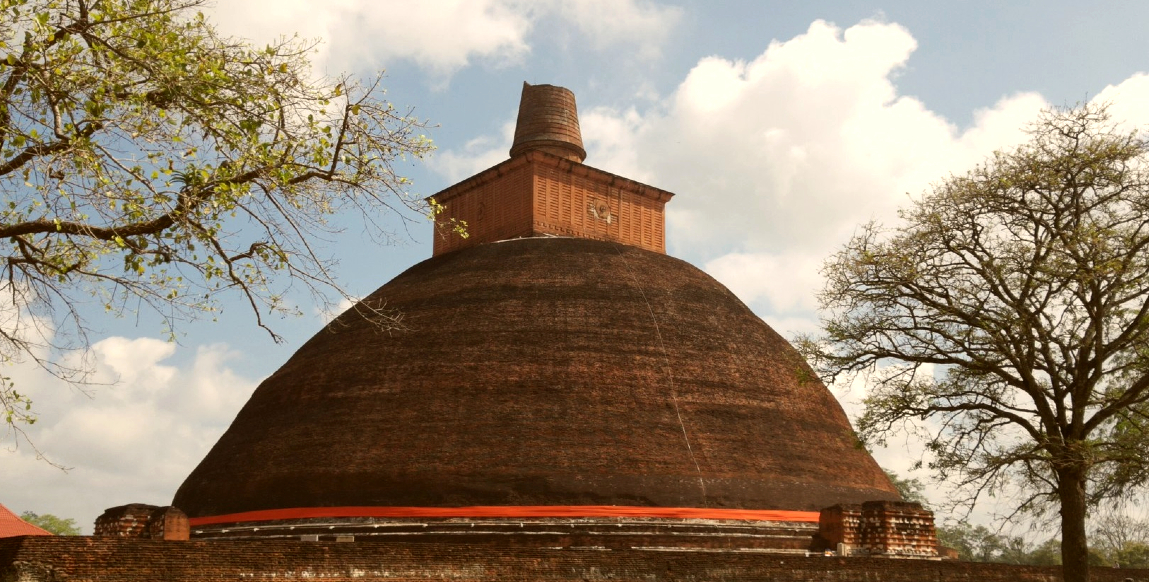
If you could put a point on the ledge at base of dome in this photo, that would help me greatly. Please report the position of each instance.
(789, 532)
(520, 511)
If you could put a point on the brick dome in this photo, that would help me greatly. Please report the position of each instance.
(542, 372)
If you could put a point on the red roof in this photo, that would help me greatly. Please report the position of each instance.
(11, 525)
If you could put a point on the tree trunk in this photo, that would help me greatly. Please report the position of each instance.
(1074, 547)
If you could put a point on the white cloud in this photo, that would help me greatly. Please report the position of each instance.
(443, 36)
(775, 161)
(328, 313)
(475, 156)
(791, 150)
(796, 147)
(787, 283)
(609, 135)
(138, 433)
(1129, 100)
(609, 23)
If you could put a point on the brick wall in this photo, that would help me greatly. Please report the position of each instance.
(495, 205)
(579, 201)
(79, 559)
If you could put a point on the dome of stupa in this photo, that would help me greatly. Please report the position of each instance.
(542, 371)
(554, 363)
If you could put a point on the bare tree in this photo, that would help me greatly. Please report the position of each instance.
(1007, 319)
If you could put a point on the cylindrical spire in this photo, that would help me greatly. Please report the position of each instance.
(548, 121)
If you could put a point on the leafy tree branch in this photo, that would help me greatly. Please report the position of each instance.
(145, 159)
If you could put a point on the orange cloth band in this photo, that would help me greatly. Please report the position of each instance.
(511, 511)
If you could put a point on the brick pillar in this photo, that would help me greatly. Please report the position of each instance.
(169, 523)
(839, 527)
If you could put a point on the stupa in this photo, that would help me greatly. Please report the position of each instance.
(555, 373)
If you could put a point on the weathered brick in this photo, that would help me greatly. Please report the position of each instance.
(84, 559)
(138, 520)
(542, 372)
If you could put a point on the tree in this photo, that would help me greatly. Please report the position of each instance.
(1120, 540)
(49, 522)
(911, 489)
(1132, 555)
(1046, 554)
(973, 543)
(1007, 320)
(145, 160)
(980, 544)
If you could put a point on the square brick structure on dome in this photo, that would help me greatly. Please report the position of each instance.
(537, 193)
(546, 190)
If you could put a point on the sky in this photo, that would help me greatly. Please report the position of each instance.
(780, 126)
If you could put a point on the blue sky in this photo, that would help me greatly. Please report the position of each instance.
(779, 125)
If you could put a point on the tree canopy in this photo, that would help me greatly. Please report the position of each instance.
(146, 160)
(1119, 540)
(980, 544)
(51, 523)
(910, 488)
(1007, 319)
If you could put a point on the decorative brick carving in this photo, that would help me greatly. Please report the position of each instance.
(139, 520)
